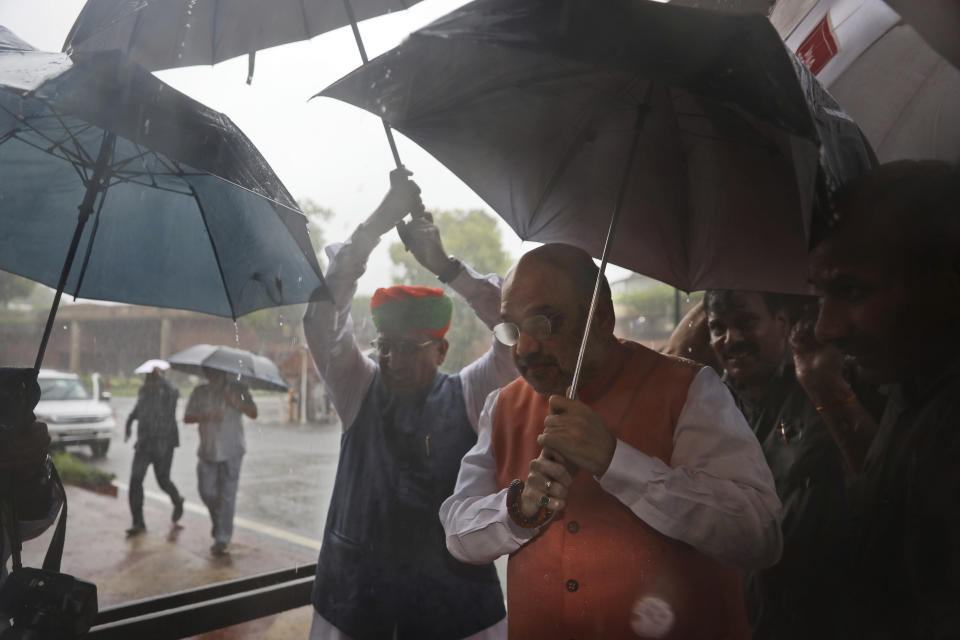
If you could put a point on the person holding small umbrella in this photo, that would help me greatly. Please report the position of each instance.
(157, 437)
(217, 407)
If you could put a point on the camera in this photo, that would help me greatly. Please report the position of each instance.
(43, 603)
(46, 605)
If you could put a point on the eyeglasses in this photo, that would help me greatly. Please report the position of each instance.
(537, 327)
(398, 347)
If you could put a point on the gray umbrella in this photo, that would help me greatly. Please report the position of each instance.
(183, 211)
(255, 371)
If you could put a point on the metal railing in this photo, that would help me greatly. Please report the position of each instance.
(207, 608)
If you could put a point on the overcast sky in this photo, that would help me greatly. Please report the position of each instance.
(325, 150)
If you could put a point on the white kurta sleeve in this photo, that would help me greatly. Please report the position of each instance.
(475, 519)
(495, 368)
(345, 371)
(717, 494)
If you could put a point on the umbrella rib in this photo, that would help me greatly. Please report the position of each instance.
(141, 153)
(54, 143)
(684, 245)
(213, 28)
(85, 160)
(216, 254)
(93, 235)
(306, 21)
(118, 179)
(78, 166)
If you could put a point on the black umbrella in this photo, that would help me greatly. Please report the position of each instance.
(164, 34)
(701, 127)
(184, 212)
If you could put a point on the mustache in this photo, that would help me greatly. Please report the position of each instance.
(536, 360)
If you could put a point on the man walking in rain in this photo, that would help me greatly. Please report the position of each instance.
(383, 570)
(626, 512)
(157, 437)
(218, 407)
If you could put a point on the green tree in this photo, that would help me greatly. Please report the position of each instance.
(13, 286)
(316, 217)
(648, 315)
(472, 236)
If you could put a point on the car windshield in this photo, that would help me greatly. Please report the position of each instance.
(62, 389)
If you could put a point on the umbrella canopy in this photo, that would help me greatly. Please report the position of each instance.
(535, 105)
(184, 211)
(902, 92)
(150, 365)
(255, 371)
(162, 34)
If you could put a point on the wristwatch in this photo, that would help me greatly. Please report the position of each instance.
(451, 271)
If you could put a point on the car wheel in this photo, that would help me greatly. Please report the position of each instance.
(99, 448)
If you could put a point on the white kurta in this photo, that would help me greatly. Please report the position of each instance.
(716, 494)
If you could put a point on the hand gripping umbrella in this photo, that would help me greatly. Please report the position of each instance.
(183, 210)
(164, 34)
(699, 127)
(255, 371)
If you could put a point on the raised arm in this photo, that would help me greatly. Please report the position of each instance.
(819, 370)
(346, 372)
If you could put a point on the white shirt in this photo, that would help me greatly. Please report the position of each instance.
(347, 373)
(717, 494)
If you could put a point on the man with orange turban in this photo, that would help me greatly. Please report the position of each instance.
(384, 570)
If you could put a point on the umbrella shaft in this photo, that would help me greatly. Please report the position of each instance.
(94, 187)
(363, 56)
(642, 111)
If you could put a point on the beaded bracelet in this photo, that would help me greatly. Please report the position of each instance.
(839, 403)
(540, 518)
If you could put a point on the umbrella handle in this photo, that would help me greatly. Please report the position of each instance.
(642, 110)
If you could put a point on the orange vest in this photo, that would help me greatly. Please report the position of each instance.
(581, 576)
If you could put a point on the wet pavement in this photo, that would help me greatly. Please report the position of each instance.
(167, 558)
(287, 476)
(285, 488)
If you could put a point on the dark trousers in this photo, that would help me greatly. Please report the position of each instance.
(161, 458)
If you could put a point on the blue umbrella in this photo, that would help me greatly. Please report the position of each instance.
(177, 208)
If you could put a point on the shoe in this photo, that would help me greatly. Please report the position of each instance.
(219, 549)
(137, 528)
(177, 510)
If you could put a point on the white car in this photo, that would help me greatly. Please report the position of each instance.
(72, 414)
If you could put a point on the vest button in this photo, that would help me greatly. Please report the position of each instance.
(572, 585)
(573, 526)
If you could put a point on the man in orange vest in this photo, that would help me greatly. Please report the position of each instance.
(628, 512)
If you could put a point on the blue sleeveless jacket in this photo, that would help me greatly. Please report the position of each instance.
(384, 564)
